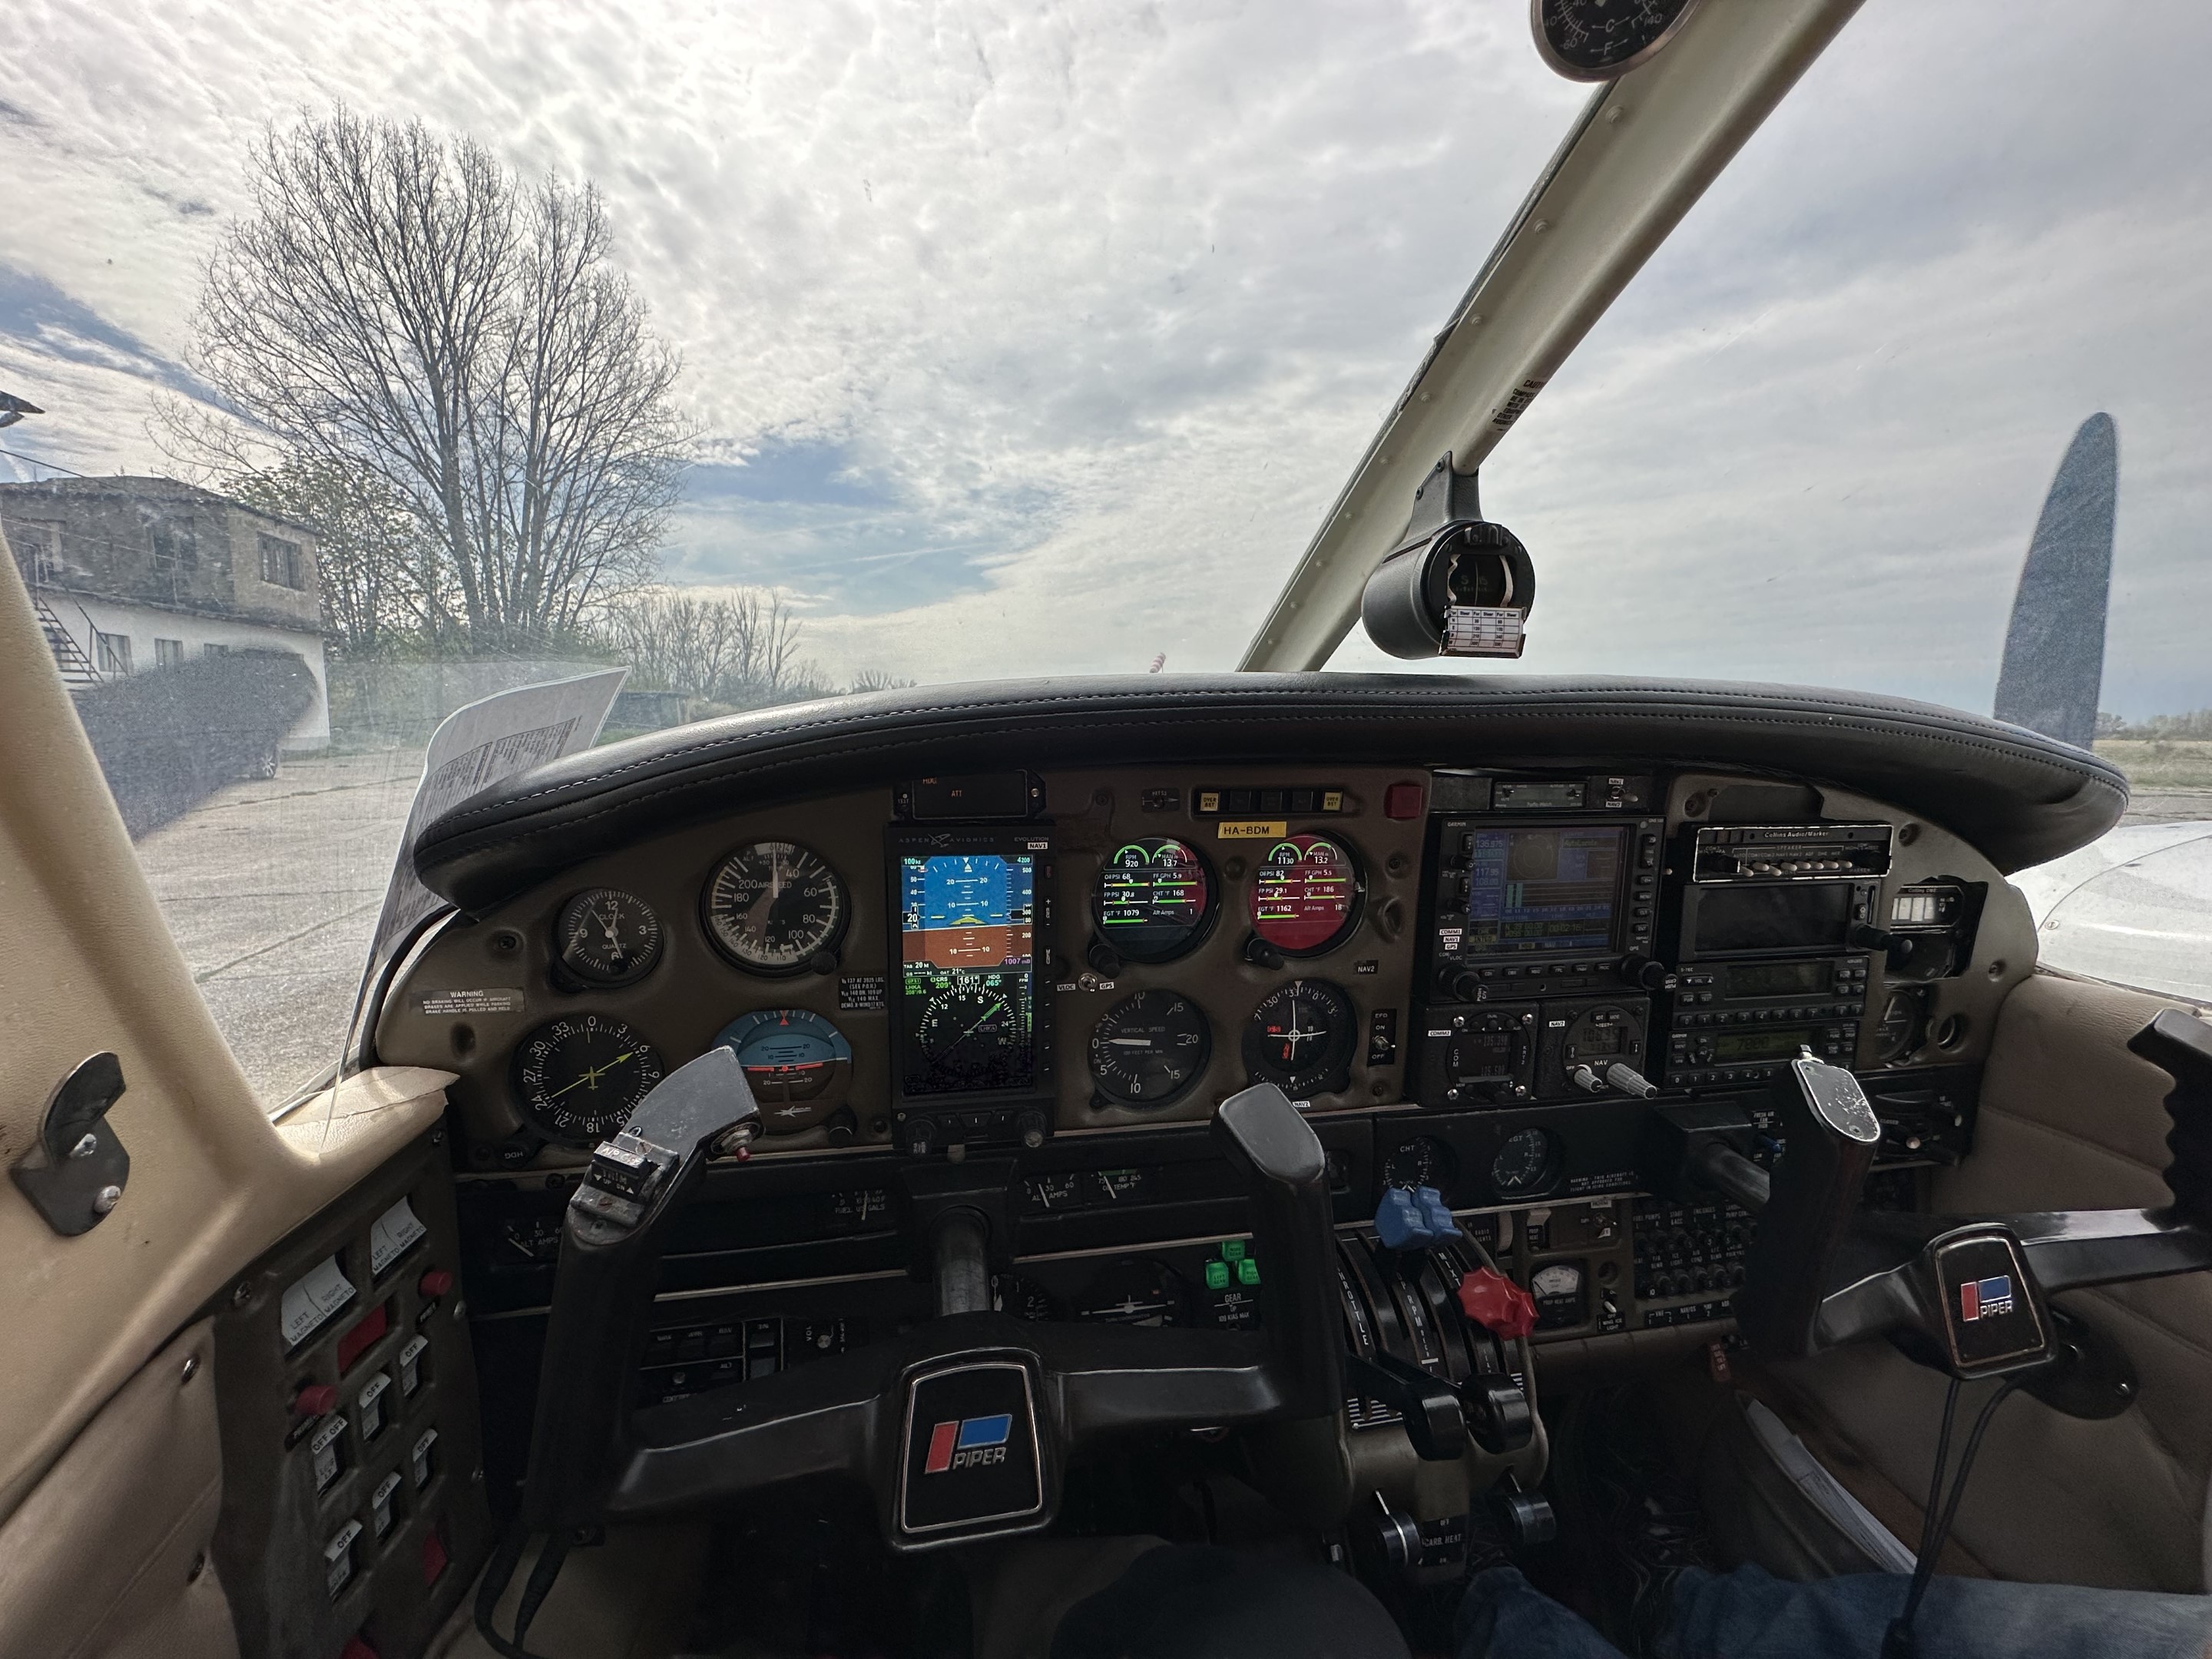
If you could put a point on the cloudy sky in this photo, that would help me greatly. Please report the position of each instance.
(1036, 339)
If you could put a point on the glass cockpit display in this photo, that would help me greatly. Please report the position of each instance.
(1542, 889)
(1153, 898)
(1305, 895)
(968, 956)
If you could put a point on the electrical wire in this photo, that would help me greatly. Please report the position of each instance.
(1898, 1642)
(499, 1573)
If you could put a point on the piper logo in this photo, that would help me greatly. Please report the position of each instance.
(968, 1442)
(1984, 1298)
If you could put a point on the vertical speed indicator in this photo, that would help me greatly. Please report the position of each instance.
(1149, 1049)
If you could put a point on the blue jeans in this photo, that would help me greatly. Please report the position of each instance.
(1751, 1614)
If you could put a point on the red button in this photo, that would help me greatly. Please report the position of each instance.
(356, 1649)
(316, 1399)
(435, 1283)
(1497, 1303)
(434, 1556)
(1402, 801)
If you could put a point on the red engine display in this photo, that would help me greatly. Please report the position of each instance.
(1305, 895)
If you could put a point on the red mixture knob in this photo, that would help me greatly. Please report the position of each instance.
(1497, 1303)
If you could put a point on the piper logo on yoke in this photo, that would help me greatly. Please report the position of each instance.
(968, 1442)
(1984, 1298)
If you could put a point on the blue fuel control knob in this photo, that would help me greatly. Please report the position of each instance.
(1417, 1219)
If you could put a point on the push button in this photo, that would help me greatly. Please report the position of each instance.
(316, 1399)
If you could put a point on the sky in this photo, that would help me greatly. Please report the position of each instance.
(1036, 340)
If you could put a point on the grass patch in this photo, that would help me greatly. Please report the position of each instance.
(2160, 762)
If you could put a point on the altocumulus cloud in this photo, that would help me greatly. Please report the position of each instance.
(1029, 339)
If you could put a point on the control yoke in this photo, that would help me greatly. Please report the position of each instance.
(603, 1288)
(1966, 1295)
(1007, 1398)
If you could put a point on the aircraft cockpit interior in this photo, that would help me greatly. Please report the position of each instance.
(1391, 1155)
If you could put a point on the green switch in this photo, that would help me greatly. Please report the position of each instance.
(1248, 1272)
(1232, 1250)
(1217, 1275)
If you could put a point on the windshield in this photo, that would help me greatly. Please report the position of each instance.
(374, 361)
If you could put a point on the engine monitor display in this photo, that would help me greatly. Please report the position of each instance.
(1542, 889)
(967, 966)
(1153, 899)
(1305, 895)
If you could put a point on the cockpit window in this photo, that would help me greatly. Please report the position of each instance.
(350, 374)
(1921, 326)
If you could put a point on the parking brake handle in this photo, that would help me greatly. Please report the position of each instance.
(1287, 1179)
(602, 1290)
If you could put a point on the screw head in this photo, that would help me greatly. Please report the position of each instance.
(192, 1368)
(106, 1199)
(242, 1294)
(86, 1147)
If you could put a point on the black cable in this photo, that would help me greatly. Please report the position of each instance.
(547, 1568)
(499, 1573)
(1935, 1521)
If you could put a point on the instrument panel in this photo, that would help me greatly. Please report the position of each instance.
(1128, 947)
(1130, 951)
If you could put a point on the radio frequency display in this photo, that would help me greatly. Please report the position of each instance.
(1542, 890)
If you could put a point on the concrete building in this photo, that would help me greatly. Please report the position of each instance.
(132, 574)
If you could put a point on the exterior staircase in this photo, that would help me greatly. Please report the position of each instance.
(77, 670)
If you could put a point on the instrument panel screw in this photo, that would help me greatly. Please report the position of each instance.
(198, 1566)
(106, 1199)
(86, 1147)
(241, 1295)
(190, 1370)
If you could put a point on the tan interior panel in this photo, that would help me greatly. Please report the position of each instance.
(2069, 1120)
(109, 1556)
(91, 967)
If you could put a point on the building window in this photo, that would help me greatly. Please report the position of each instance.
(214, 651)
(280, 561)
(176, 546)
(38, 551)
(168, 653)
(111, 652)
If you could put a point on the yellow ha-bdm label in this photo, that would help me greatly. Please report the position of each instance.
(1251, 829)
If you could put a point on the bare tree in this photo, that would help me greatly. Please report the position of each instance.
(400, 305)
(740, 648)
(381, 579)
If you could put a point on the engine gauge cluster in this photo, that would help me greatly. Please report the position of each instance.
(1154, 900)
(1305, 895)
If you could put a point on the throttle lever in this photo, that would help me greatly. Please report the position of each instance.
(1428, 1405)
